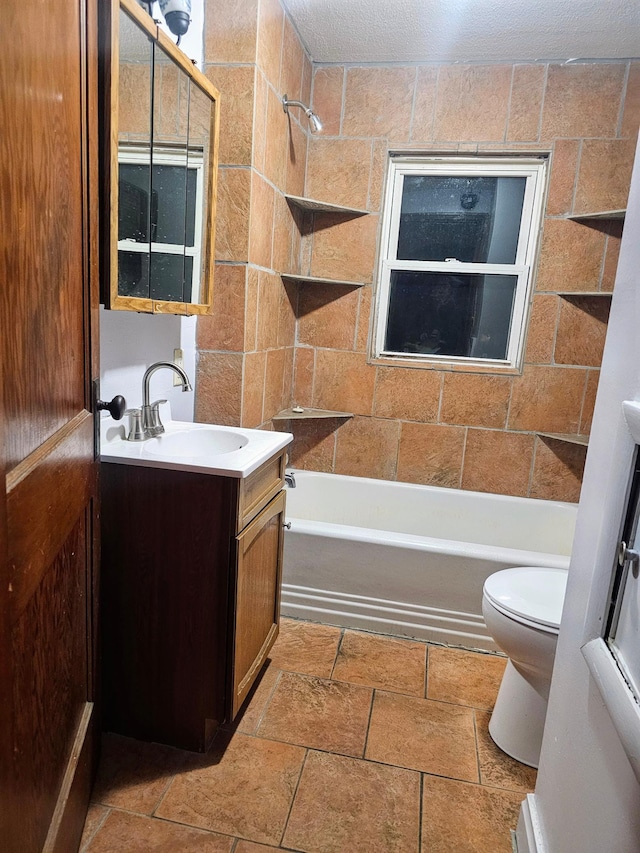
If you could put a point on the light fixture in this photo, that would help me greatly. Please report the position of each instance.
(314, 121)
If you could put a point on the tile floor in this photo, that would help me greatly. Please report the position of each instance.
(350, 743)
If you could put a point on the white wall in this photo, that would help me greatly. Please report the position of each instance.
(587, 798)
(130, 342)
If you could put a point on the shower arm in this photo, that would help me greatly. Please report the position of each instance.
(315, 122)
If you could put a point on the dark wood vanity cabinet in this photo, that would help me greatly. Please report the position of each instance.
(191, 574)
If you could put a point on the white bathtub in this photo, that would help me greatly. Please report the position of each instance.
(410, 560)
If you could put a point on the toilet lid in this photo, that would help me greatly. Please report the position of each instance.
(529, 592)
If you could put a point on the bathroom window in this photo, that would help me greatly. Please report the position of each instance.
(159, 209)
(457, 249)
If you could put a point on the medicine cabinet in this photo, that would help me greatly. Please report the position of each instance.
(160, 158)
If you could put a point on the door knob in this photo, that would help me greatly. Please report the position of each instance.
(115, 408)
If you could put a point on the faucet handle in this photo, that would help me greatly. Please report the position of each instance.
(136, 431)
(157, 404)
(151, 422)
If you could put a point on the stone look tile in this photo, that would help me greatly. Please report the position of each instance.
(230, 31)
(367, 447)
(219, 383)
(498, 462)
(381, 662)
(260, 121)
(270, 23)
(527, 91)
(314, 444)
(269, 295)
(305, 647)
(411, 395)
(137, 834)
(557, 470)
(378, 102)
(282, 259)
(424, 107)
(235, 84)
(570, 256)
(274, 384)
(497, 768)
(244, 787)
(379, 161)
(547, 398)
(261, 222)
(327, 315)
(472, 103)
(253, 388)
(338, 171)
(589, 402)
(614, 235)
(317, 713)
(465, 678)
(345, 249)
(250, 847)
(564, 163)
(604, 175)
(224, 329)
(327, 97)
(475, 400)
(291, 71)
(134, 775)
(424, 735)
(582, 100)
(276, 153)
(467, 818)
(431, 454)
(581, 330)
(344, 382)
(95, 817)
(296, 147)
(364, 317)
(303, 376)
(134, 100)
(631, 115)
(232, 215)
(346, 804)
(541, 332)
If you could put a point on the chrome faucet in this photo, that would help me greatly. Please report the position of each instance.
(151, 423)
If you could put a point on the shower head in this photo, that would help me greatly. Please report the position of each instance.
(314, 121)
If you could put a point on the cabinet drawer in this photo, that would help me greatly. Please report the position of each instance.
(258, 489)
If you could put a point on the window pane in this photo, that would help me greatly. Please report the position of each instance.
(133, 274)
(464, 315)
(173, 211)
(471, 219)
(171, 277)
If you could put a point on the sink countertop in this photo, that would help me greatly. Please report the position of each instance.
(260, 446)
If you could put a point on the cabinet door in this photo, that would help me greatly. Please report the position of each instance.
(257, 596)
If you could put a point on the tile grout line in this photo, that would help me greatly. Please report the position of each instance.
(366, 737)
(475, 735)
(101, 822)
(293, 798)
(337, 654)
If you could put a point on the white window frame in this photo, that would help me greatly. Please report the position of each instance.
(531, 168)
(139, 155)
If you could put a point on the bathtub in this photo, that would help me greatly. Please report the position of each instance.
(408, 560)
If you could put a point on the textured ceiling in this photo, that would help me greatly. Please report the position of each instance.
(466, 30)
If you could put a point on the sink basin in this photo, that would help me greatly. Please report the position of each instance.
(208, 441)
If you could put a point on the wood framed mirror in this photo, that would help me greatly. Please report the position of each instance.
(162, 159)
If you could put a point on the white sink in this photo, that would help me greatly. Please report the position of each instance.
(202, 448)
(208, 441)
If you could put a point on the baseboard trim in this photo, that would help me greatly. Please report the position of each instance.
(529, 836)
(386, 617)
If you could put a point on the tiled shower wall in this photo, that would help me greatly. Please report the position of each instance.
(268, 346)
(458, 428)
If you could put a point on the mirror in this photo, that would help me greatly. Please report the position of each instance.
(164, 134)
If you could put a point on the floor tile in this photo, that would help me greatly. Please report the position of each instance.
(243, 787)
(466, 678)
(423, 735)
(134, 775)
(496, 767)
(318, 713)
(94, 818)
(345, 804)
(384, 662)
(306, 647)
(137, 834)
(464, 818)
(249, 719)
(251, 847)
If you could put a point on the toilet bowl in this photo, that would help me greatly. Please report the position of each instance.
(522, 609)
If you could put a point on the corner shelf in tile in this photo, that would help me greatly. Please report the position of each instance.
(599, 214)
(568, 294)
(312, 205)
(568, 438)
(311, 279)
(309, 414)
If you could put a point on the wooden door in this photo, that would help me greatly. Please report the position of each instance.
(48, 304)
(257, 596)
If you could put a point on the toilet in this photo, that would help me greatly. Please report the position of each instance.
(522, 609)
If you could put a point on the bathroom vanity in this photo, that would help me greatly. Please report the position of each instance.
(191, 572)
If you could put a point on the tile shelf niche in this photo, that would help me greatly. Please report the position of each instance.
(569, 294)
(312, 205)
(311, 279)
(598, 214)
(569, 438)
(308, 414)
